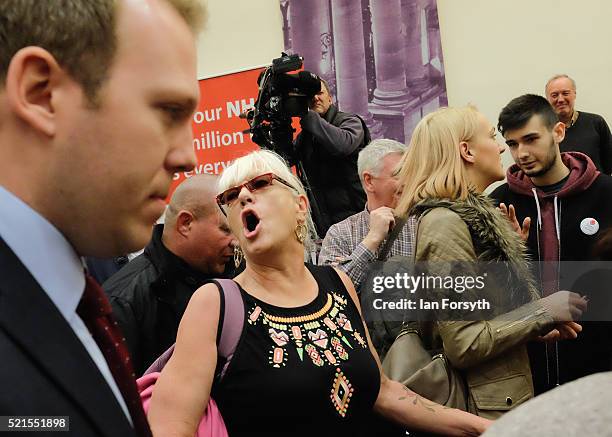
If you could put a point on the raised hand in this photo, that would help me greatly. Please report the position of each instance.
(510, 213)
(382, 221)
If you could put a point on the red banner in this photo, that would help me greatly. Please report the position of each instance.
(218, 132)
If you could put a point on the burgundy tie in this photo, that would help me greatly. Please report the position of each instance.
(95, 311)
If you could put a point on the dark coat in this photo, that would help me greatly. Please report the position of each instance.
(103, 268)
(149, 296)
(45, 369)
(328, 147)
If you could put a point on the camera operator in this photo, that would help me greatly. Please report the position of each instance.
(328, 147)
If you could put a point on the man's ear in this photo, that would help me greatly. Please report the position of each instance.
(30, 81)
(466, 152)
(184, 219)
(367, 181)
(558, 132)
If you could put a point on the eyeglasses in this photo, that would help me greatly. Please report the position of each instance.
(257, 183)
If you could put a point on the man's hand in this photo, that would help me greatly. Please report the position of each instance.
(564, 306)
(308, 120)
(510, 213)
(381, 222)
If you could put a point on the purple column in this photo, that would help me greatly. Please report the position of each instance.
(352, 85)
(433, 36)
(416, 74)
(310, 34)
(389, 36)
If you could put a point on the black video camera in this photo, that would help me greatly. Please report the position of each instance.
(281, 96)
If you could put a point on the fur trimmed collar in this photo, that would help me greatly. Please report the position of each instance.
(493, 238)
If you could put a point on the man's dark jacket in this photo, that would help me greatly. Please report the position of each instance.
(585, 195)
(149, 296)
(328, 147)
(44, 368)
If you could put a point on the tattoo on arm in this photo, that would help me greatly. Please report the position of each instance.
(418, 400)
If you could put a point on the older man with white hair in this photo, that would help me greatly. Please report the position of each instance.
(584, 132)
(353, 243)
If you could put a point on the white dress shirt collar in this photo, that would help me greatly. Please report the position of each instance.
(44, 251)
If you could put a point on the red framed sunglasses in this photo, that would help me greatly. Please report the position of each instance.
(257, 183)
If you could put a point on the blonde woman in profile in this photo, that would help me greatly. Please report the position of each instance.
(453, 157)
(304, 365)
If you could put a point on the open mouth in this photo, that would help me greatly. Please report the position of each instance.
(250, 222)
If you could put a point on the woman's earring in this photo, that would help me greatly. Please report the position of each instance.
(301, 232)
(238, 256)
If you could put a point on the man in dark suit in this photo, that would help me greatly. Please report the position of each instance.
(96, 98)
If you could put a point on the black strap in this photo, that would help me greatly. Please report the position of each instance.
(399, 225)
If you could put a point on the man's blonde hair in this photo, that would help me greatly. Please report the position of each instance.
(80, 34)
(432, 167)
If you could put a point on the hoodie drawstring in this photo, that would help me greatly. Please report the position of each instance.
(557, 221)
(558, 228)
(538, 227)
(535, 195)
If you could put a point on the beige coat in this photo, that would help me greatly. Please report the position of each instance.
(491, 354)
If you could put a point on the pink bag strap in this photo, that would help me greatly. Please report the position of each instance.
(231, 324)
(232, 310)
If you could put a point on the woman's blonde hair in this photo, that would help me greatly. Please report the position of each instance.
(433, 167)
(260, 162)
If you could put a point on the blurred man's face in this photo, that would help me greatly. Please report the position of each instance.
(321, 102)
(116, 162)
(386, 183)
(561, 94)
(211, 243)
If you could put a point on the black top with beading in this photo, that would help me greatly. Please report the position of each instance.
(300, 371)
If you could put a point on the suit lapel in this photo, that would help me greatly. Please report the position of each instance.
(35, 324)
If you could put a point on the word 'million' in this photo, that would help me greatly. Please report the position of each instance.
(213, 139)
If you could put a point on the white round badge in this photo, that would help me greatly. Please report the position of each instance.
(589, 226)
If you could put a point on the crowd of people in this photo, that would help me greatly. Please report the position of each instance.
(91, 135)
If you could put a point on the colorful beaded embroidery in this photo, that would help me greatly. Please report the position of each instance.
(341, 392)
(319, 334)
